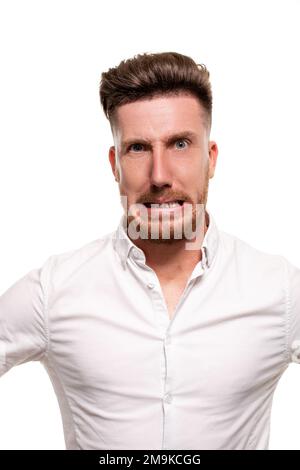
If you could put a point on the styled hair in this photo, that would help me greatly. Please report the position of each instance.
(150, 75)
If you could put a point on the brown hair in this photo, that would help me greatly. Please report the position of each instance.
(145, 76)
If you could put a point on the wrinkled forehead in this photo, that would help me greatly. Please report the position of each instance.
(159, 118)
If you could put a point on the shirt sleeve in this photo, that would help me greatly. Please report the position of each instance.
(293, 312)
(23, 325)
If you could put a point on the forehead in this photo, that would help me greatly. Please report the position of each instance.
(159, 116)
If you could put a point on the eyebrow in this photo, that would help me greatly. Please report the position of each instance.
(169, 139)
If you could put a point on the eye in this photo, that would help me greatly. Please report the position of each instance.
(135, 145)
(182, 140)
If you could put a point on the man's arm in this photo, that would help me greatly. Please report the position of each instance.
(23, 321)
(293, 311)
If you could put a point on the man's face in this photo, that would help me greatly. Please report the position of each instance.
(162, 152)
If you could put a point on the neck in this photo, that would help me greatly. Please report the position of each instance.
(171, 261)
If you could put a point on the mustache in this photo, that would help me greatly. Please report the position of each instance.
(168, 197)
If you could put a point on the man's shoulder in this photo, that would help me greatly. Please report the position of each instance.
(244, 253)
(84, 251)
(64, 263)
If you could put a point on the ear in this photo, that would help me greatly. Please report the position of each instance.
(213, 155)
(112, 161)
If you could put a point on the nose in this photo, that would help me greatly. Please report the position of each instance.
(160, 173)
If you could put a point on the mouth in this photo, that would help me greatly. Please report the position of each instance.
(173, 204)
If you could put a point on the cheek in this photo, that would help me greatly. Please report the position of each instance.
(191, 173)
(133, 175)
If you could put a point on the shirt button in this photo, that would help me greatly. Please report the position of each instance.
(150, 285)
(296, 351)
(168, 398)
(136, 254)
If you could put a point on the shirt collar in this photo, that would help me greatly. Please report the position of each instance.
(124, 245)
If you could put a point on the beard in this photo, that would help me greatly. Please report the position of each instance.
(187, 222)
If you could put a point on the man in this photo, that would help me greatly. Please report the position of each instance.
(167, 333)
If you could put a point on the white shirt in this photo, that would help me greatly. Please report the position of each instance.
(128, 377)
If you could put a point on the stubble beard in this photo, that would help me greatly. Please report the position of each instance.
(166, 228)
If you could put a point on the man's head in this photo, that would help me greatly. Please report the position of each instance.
(159, 108)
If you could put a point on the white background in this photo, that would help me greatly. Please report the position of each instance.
(57, 191)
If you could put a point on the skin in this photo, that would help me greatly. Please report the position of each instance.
(178, 170)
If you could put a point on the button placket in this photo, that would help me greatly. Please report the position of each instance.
(167, 339)
(167, 397)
